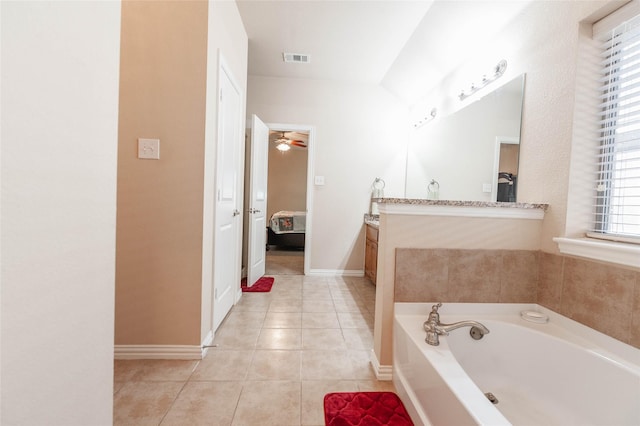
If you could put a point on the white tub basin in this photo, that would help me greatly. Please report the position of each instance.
(558, 373)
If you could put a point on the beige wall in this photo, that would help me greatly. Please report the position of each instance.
(59, 158)
(163, 74)
(361, 133)
(169, 82)
(287, 185)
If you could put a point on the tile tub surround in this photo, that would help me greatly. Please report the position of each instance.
(601, 296)
(454, 275)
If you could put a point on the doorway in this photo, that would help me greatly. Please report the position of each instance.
(289, 199)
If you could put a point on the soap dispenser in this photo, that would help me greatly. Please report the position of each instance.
(433, 190)
(377, 192)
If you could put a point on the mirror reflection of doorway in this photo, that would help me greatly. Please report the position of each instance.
(286, 201)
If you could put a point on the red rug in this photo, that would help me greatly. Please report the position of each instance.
(365, 409)
(263, 285)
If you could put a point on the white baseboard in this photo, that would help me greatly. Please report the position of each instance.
(383, 372)
(337, 272)
(208, 340)
(158, 352)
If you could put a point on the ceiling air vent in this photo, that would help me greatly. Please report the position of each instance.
(297, 58)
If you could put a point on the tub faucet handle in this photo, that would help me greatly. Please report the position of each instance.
(434, 316)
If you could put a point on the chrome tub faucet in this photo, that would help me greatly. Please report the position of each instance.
(435, 328)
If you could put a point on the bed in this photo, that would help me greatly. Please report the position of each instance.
(287, 229)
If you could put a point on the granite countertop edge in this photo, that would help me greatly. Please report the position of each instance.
(458, 203)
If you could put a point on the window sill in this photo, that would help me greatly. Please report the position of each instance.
(605, 251)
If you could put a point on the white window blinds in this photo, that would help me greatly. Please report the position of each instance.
(617, 189)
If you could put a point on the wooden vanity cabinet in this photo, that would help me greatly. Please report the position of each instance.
(371, 253)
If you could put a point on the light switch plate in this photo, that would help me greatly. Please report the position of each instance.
(319, 180)
(149, 149)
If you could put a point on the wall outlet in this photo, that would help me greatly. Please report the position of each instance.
(149, 149)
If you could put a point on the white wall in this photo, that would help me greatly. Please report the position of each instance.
(361, 133)
(543, 43)
(60, 65)
(226, 36)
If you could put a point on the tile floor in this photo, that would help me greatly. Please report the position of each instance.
(278, 354)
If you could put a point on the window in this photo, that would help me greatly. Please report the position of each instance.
(617, 189)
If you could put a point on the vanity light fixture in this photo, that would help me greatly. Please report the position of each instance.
(497, 72)
(428, 118)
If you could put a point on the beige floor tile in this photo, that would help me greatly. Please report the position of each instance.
(144, 403)
(323, 339)
(283, 320)
(316, 293)
(313, 305)
(126, 369)
(249, 319)
(280, 338)
(313, 392)
(236, 337)
(327, 365)
(288, 280)
(360, 366)
(275, 365)
(224, 365)
(358, 338)
(164, 370)
(278, 354)
(350, 306)
(346, 295)
(204, 403)
(117, 386)
(286, 305)
(320, 320)
(269, 403)
(356, 320)
(253, 302)
(290, 289)
(376, 386)
(315, 280)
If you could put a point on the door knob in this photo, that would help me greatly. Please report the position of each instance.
(252, 210)
(236, 212)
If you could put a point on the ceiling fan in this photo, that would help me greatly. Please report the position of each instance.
(284, 143)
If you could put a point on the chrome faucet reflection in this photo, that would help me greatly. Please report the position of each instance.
(435, 328)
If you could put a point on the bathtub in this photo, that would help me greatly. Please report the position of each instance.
(555, 373)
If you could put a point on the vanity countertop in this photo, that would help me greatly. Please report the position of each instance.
(372, 220)
(458, 203)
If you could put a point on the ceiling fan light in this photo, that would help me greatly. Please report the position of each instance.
(283, 146)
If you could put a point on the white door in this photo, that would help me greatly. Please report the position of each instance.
(227, 216)
(258, 200)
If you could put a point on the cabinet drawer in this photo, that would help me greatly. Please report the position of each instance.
(372, 233)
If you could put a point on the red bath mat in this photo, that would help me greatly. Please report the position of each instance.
(365, 409)
(263, 285)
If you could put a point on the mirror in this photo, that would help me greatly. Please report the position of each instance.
(473, 153)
